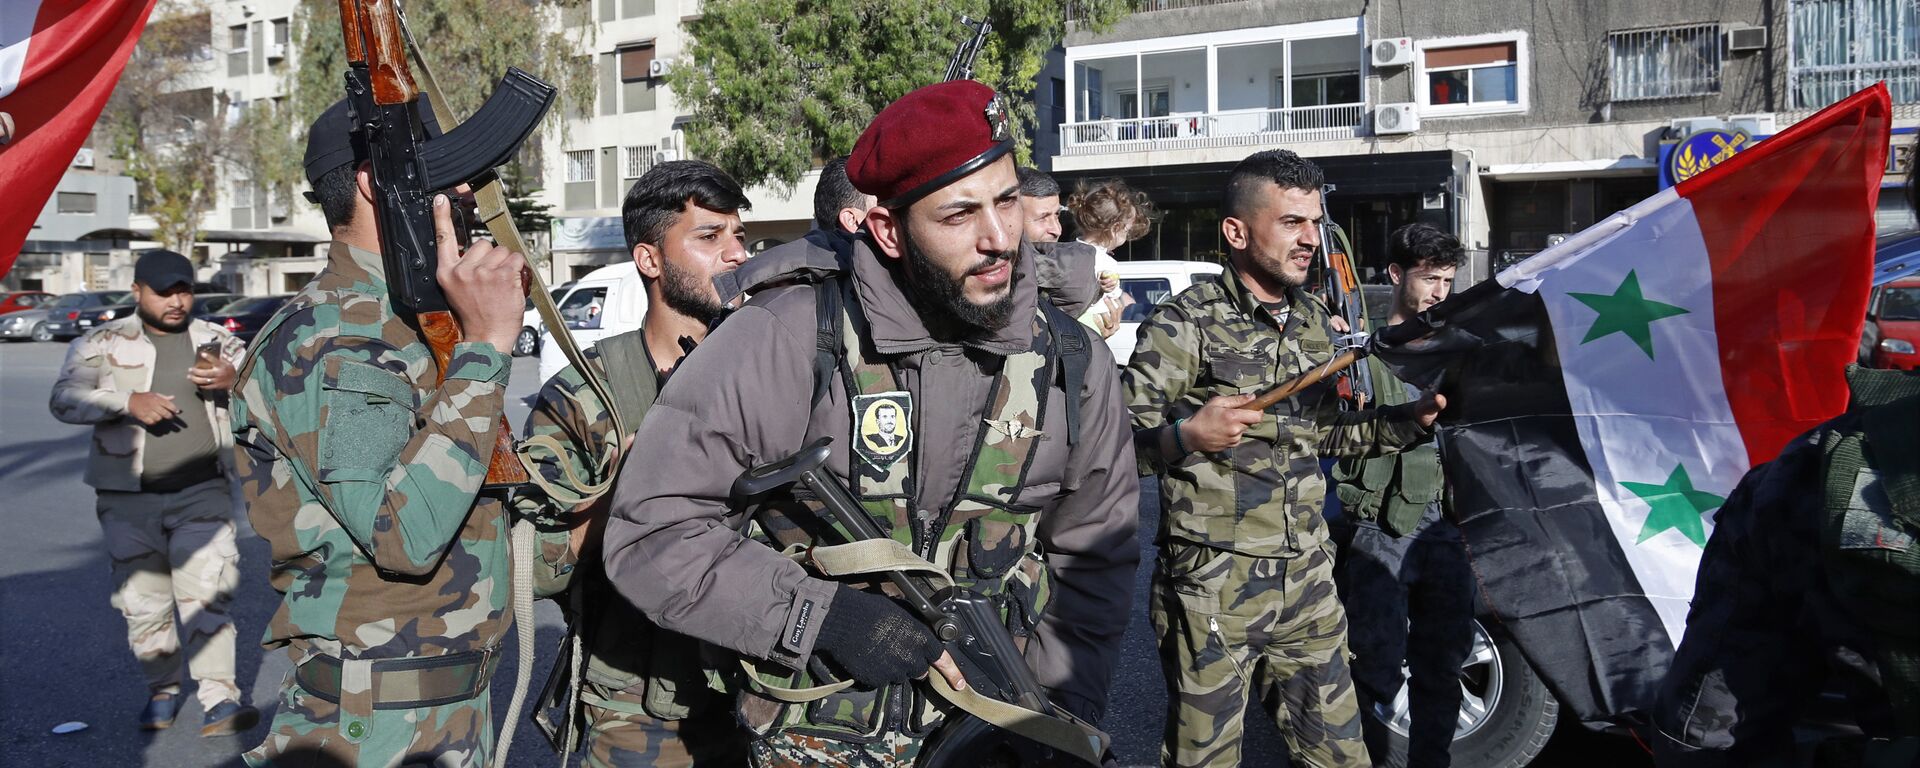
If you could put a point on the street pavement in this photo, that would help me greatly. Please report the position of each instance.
(63, 653)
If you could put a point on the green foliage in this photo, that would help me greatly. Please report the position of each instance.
(168, 134)
(776, 85)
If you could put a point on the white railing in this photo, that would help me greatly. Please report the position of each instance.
(1664, 63)
(1215, 129)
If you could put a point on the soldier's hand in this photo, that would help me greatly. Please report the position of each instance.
(1339, 324)
(1428, 408)
(1220, 424)
(215, 375)
(483, 285)
(150, 408)
(876, 640)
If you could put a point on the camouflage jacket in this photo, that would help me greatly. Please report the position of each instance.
(104, 368)
(1264, 496)
(364, 478)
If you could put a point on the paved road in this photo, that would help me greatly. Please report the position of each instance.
(63, 654)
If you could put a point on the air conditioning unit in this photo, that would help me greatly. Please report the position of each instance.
(276, 51)
(277, 210)
(1683, 127)
(1389, 119)
(667, 142)
(83, 158)
(1743, 38)
(1392, 51)
(659, 67)
(1761, 124)
(665, 156)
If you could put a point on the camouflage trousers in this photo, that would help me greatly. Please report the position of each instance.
(311, 732)
(1229, 624)
(788, 749)
(619, 733)
(175, 552)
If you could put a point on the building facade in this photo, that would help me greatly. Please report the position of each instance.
(1510, 123)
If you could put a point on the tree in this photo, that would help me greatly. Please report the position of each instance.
(775, 85)
(168, 133)
(469, 45)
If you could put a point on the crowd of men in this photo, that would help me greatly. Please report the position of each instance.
(933, 332)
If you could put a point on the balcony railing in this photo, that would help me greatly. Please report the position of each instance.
(1215, 129)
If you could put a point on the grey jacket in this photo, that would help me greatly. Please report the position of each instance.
(674, 548)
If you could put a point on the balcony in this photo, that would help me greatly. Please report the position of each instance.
(1269, 86)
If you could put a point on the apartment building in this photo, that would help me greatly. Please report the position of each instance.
(1510, 123)
(77, 242)
(633, 123)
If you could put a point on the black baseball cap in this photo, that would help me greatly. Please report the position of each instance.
(161, 269)
(331, 142)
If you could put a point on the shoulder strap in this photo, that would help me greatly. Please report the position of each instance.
(830, 303)
(632, 394)
(1070, 341)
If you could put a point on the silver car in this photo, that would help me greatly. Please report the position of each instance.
(25, 324)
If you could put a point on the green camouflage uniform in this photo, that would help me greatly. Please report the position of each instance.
(645, 692)
(364, 478)
(1243, 594)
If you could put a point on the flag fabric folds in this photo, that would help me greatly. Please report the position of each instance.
(59, 61)
(1606, 395)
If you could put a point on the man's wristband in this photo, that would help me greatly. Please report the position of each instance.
(1179, 443)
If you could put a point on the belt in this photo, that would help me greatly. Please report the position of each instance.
(408, 683)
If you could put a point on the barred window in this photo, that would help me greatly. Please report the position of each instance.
(1664, 63)
(580, 165)
(638, 159)
(1841, 46)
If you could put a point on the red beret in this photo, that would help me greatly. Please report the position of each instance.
(928, 139)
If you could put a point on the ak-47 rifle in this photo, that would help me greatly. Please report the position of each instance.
(960, 67)
(1343, 291)
(409, 169)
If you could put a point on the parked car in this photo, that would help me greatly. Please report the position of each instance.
(1896, 310)
(1149, 283)
(244, 318)
(202, 306)
(528, 342)
(21, 301)
(61, 318)
(608, 301)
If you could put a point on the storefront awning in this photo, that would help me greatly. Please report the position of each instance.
(1571, 169)
(213, 236)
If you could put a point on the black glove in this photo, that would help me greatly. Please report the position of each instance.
(875, 639)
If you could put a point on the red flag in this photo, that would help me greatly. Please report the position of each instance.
(59, 61)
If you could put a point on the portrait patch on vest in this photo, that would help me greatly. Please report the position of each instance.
(884, 425)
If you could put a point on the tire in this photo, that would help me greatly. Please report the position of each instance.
(527, 343)
(42, 333)
(1506, 717)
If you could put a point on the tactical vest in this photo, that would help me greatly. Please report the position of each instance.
(1393, 490)
(982, 538)
(1871, 520)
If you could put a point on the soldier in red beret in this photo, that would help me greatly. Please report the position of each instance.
(975, 422)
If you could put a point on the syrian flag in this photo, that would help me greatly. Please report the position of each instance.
(59, 60)
(1606, 395)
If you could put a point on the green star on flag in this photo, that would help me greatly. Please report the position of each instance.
(1675, 505)
(1626, 311)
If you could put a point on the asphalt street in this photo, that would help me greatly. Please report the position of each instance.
(63, 653)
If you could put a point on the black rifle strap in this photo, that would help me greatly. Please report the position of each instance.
(1070, 345)
(830, 298)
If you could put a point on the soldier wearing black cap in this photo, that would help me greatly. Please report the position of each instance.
(959, 414)
(363, 470)
(154, 387)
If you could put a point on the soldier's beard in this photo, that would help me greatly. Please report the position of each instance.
(687, 293)
(160, 323)
(941, 297)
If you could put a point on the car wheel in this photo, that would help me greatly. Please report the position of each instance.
(527, 343)
(42, 333)
(1506, 712)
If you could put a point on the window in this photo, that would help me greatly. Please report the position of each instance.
(280, 31)
(237, 37)
(1664, 63)
(1473, 76)
(580, 165)
(1146, 293)
(1841, 46)
(636, 63)
(583, 308)
(636, 160)
(237, 51)
(78, 202)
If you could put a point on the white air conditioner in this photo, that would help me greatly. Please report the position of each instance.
(83, 158)
(1392, 51)
(659, 67)
(665, 156)
(276, 51)
(1743, 38)
(1389, 119)
(1761, 124)
(667, 142)
(1683, 127)
(278, 210)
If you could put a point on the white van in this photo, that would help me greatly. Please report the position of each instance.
(1149, 283)
(608, 301)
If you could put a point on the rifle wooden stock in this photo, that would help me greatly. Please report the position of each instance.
(385, 52)
(1270, 397)
(442, 332)
(350, 26)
